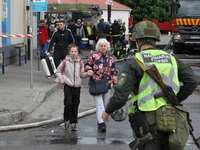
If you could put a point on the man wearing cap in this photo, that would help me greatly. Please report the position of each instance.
(101, 29)
(132, 79)
(116, 31)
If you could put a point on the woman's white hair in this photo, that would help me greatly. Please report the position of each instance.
(100, 41)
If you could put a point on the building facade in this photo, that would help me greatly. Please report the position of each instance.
(15, 19)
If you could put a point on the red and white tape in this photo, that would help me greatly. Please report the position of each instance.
(18, 35)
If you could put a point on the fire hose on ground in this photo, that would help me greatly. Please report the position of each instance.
(37, 124)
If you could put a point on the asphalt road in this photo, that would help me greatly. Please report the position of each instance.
(53, 136)
(87, 137)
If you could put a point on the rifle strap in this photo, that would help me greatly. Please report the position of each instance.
(140, 64)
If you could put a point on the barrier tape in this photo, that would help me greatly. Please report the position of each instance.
(18, 35)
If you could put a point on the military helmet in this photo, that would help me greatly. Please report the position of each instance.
(115, 19)
(146, 29)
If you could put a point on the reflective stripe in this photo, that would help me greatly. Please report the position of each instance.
(118, 53)
(172, 84)
(116, 35)
(152, 84)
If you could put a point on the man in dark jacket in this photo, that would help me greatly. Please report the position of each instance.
(62, 38)
(116, 31)
(80, 33)
(72, 27)
(130, 29)
(102, 29)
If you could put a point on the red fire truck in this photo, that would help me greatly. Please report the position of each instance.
(186, 24)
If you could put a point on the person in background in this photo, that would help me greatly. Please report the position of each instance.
(52, 27)
(68, 22)
(80, 33)
(49, 22)
(108, 31)
(85, 28)
(130, 30)
(72, 27)
(94, 34)
(43, 37)
(62, 38)
(56, 25)
(96, 67)
(116, 31)
(102, 29)
(120, 49)
(123, 30)
(70, 73)
(88, 32)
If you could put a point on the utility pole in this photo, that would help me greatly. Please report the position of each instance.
(109, 12)
(109, 3)
(31, 46)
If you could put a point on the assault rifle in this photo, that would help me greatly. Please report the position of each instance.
(169, 94)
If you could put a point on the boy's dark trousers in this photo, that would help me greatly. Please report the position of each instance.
(71, 102)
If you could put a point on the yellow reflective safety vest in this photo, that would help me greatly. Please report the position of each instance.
(89, 31)
(167, 67)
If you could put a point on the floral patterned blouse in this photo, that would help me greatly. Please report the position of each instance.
(98, 63)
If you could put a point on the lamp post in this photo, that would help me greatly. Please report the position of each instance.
(31, 46)
(109, 3)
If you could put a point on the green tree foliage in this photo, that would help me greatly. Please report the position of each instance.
(150, 9)
(66, 7)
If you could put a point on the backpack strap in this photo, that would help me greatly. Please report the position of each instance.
(140, 64)
(63, 66)
(80, 63)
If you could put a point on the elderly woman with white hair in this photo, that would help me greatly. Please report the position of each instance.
(97, 68)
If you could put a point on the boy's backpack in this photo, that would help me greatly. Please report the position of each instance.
(64, 64)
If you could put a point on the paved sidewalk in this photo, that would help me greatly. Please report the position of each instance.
(17, 98)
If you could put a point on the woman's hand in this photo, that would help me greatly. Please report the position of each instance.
(48, 54)
(105, 116)
(90, 73)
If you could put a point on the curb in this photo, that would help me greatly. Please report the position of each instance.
(16, 116)
(37, 124)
